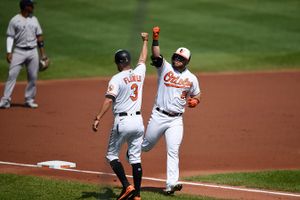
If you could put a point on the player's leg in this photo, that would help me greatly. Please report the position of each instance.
(32, 75)
(115, 142)
(18, 59)
(134, 154)
(114, 146)
(156, 127)
(173, 137)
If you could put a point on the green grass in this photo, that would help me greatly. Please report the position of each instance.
(283, 180)
(81, 36)
(29, 188)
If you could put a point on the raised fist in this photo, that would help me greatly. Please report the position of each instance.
(156, 31)
(144, 36)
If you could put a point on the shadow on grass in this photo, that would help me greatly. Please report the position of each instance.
(158, 190)
(106, 193)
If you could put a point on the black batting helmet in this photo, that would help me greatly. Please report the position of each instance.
(24, 3)
(122, 57)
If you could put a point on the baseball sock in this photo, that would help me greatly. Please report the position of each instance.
(137, 173)
(117, 167)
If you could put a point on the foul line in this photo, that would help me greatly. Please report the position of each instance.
(163, 180)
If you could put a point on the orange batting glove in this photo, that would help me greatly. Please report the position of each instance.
(156, 31)
(193, 102)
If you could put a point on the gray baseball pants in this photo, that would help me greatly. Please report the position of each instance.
(30, 59)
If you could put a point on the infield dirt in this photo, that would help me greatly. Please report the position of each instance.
(244, 122)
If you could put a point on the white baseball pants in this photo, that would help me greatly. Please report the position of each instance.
(172, 128)
(128, 129)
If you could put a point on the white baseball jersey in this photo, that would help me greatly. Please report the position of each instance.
(127, 88)
(174, 87)
(24, 30)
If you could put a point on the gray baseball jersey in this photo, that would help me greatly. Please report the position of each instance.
(24, 31)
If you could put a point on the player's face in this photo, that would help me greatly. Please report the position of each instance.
(178, 61)
(29, 9)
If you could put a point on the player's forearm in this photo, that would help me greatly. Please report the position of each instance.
(144, 52)
(105, 106)
(155, 51)
(41, 45)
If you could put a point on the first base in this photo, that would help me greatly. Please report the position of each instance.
(57, 164)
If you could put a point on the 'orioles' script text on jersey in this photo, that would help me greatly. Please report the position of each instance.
(171, 80)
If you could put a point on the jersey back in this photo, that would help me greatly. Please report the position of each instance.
(127, 89)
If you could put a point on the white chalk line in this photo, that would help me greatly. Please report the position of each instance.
(163, 180)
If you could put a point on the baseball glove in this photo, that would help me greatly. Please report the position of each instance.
(192, 102)
(44, 64)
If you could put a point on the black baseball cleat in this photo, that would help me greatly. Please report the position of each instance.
(126, 193)
(172, 189)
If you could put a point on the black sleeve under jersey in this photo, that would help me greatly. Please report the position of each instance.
(157, 61)
(110, 97)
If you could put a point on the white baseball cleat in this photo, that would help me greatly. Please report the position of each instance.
(172, 189)
(4, 104)
(31, 104)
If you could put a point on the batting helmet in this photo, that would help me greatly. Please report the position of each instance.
(182, 54)
(122, 57)
(24, 3)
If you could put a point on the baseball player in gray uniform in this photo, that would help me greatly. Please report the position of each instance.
(124, 93)
(25, 33)
(177, 87)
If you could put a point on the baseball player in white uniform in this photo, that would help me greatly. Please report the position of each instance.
(124, 93)
(177, 86)
(25, 33)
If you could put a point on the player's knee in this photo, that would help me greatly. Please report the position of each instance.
(110, 158)
(146, 146)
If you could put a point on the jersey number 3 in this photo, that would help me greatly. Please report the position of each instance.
(134, 88)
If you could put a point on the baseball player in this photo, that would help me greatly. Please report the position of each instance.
(124, 93)
(25, 33)
(177, 86)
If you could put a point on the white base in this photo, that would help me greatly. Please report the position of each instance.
(57, 164)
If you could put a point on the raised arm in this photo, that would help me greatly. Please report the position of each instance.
(155, 45)
(144, 51)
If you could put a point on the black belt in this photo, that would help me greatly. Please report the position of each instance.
(126, 114)
(26, 48)
(167, 113)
